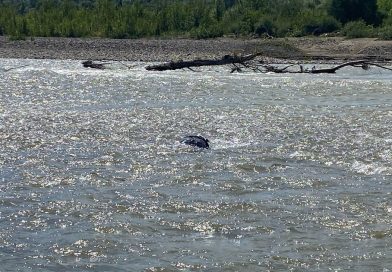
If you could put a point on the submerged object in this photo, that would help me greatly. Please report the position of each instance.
(197, 141)
(91, 64)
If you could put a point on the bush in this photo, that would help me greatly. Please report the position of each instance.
(17, 37)
(204, 32)
(320, 25)
(265, 26)
(238, 28)
(388, 20)
(358, 29)
(385, 32)
(283, 28)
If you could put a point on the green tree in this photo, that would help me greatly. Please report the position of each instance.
(353, 10)
(220, 9)
(230, 3)
(197, 18)
(385, 6)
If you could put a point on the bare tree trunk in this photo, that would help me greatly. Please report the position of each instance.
(198, 63)
(334, 69)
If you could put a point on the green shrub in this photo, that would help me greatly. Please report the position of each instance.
(358, 29)
(319, 25)
(284, 28)
(387, 20)
(204, 32)
(17, 37)
(265, 26)
(238, 28)
(385, 32)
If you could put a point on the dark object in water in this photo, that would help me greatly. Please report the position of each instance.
(198, 141)
(91, 64)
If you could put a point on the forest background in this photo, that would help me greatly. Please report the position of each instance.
(198, 19)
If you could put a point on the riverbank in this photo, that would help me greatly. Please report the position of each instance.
(313, 48)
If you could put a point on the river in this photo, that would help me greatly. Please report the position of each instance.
(93, 176)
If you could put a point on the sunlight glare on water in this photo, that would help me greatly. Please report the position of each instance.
(93, 175)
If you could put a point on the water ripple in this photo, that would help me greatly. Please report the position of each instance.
(93, 175)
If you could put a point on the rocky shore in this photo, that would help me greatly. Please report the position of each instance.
(159, 50)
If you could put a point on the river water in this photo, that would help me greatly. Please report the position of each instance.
(93, 176)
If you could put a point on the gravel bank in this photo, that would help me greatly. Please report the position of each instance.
(132, 50)
(159, 50)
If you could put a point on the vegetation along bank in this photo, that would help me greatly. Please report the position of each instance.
(195, 18)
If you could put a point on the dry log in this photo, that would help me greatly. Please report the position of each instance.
(333, 70)
(358, 63)
(246, 62)
(380, 66)
(225, 60)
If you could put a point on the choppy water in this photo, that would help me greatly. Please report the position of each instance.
(93, 177)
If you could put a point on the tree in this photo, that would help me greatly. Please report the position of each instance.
(385, 6)
(354, 10)
(229, 3)
(220, 9)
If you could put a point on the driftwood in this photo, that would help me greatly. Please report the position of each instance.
(94, 65)
(364, 64)
(103, 65)
(225, 60)
(248, 62)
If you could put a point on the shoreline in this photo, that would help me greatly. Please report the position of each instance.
(316, 49)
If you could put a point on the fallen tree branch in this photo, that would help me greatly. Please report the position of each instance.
(240, 63)
(227, 59)
(358, 63)
(380, 66)
(334, 69)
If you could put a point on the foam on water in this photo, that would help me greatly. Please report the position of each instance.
(371, 168)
